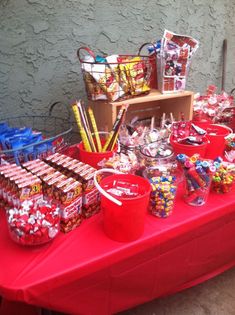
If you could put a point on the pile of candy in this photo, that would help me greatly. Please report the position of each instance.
(136, 133)
(34, 223)
(212, 107)
(14, 141)
(198, 174)
(185, 132)
(223, 178)
(125, 163)
(162, 195)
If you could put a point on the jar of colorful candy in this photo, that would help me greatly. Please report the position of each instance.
(34, 223)
(162, 196)
(223, 179)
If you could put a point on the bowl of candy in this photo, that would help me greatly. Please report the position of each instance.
(34, 223)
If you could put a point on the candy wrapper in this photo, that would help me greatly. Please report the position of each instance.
(174, 59)
(35, 223)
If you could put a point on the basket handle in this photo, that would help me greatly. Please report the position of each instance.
(232, 91)
(58, 103)
(90, 52)
(101, 190)
(146, 44)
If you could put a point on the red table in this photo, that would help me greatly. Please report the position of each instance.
(84, 272)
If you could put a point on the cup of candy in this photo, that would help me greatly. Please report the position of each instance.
(34, 223)
(162, 196)
(197, 178)
(223, 178)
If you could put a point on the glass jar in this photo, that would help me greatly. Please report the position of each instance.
(34, 223)
(196, 188)
(157, 158)
(162, 197)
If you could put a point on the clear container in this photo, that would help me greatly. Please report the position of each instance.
(162, 197)
(35, 223)
(194, 195)
(157, 159)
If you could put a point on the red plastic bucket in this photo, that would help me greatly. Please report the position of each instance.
(93, 158)
(189, 150)
(123, 218)
(216, 134)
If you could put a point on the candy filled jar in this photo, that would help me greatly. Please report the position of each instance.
(162, 197)
(34, 223)
(157, 158)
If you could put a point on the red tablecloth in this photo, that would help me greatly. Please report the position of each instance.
(84, 272)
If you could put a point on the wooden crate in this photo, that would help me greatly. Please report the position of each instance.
(153, 104)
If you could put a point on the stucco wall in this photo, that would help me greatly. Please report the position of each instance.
(39, 39)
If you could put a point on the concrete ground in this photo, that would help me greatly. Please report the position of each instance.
(213, 297)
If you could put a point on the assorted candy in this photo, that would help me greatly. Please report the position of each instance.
(214, 108)
(34, 223)
(223, 178)
(125, 163)
(115, 76)
(162, 195)
(198, 174)
(185, 132)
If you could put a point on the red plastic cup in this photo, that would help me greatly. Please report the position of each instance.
(93, 158)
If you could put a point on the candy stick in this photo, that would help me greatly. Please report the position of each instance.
(94, 126)
(163, 120)
(152, 123)
(86, 126)
(113, 130)
(80, 128)
(115, 135)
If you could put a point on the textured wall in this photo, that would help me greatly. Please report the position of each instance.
(39, 39)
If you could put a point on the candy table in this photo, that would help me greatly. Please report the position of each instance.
(84, 272)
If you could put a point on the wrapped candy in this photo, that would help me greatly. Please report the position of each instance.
(213, 108)
(34, 223)
(125, 163)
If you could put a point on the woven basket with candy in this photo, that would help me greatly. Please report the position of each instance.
(115, 77)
